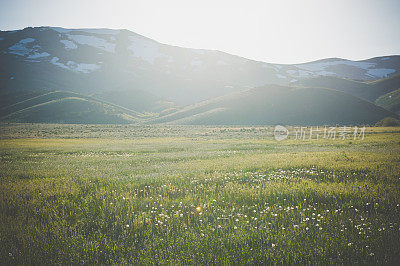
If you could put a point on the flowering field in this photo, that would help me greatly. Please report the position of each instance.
(196, 195)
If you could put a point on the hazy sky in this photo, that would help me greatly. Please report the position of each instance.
(272, 31)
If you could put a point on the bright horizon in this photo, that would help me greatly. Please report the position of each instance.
(286, 32)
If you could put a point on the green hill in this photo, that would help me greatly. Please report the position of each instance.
(390, 101)
(66, 107)
(273, 104)
(366, 90)
(266, 105)
(384, 86)
(134, 99)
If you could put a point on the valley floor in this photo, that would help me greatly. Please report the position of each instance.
(125, 194)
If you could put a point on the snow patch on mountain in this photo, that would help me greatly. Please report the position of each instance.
(84, 68)
(93, 41)
(380, 72)
(325, 73)
(319, 68)
(20, 47)
(69, 45)
(145, 49)
(303, 73)
(299, 73)
(36, 55)
(54, 61)
(75, 67)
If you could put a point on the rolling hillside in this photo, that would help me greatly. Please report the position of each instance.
(275, 104)
(367, 90)
(390, 101)
(67, 107)
(138, 100)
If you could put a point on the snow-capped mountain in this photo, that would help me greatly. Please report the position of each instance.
(100, 61)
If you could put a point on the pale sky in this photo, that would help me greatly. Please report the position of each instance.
(279, 31)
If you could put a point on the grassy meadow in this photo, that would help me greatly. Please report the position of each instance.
(125, 194)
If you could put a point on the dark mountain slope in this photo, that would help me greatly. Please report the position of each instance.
(274, 104)
(103, 61)
(366, 90)
(390, 101)
(123, 74)
(382, 86)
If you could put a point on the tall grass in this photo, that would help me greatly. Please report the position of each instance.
(192, 198)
